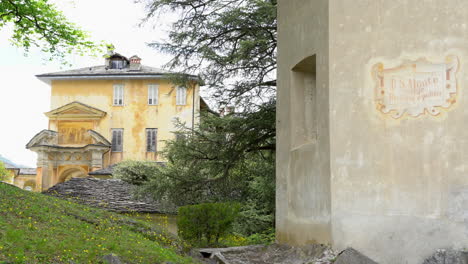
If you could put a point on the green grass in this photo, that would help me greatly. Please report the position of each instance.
(35, 228)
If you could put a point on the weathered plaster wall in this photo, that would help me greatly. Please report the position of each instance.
(303, 169)
(135, 116)
(399, 186)
(24, 181)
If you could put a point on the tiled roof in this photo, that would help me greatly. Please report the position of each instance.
(110, 169)
(102, 70)
(27, 171)
(106, 171)
(110, 194)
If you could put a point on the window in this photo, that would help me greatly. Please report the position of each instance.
(118, 94)
(117, 140)
(153, 94)
(181, 96)
(118, 64)
(151, 137)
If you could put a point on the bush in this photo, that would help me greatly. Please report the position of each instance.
(135, 172)
(205, 223)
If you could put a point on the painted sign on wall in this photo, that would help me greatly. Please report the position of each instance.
(416, 87)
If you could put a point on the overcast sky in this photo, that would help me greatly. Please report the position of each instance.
(24, 99)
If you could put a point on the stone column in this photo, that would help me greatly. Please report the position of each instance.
(96, 160)
(42, 177)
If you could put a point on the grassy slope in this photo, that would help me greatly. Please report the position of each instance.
(35, 228)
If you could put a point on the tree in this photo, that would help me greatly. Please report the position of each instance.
(231, 42)
(232, 45)
(225, 159)
(3, 172)
(38, 23)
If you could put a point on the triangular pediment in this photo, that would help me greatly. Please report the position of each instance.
(44, 138)
(98, 138)
(75, 110)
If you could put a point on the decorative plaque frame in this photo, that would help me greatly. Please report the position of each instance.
(416, 87)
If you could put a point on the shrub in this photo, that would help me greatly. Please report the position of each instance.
(206, 223)
(3, 172)
(135, 172)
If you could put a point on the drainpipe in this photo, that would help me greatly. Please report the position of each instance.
(193, 108)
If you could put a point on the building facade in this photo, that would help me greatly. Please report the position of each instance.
(371, 126)
(102, 115)
(24, 178)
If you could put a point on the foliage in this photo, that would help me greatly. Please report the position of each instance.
(266, 238)
(232, 45)
(215, 156)
(208, 221)
(135, 172)
(38, 23)
(224, 159)
(3, 172)
(232, 42)
(35, 228)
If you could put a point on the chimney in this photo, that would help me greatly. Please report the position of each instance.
(135, 64)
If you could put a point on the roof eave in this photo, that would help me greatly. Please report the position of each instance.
(48, 78)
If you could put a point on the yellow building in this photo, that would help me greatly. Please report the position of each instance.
(24, 178)
(104, 114)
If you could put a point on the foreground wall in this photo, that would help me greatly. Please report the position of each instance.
(303, 165)
(398, 143)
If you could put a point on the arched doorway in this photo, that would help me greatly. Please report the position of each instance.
(29, 185)
(75, 172)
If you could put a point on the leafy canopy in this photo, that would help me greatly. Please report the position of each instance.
(209, 163)
(231, 42)
(224, 159)
(3, 172)
(37, 23)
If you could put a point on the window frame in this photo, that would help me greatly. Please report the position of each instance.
(181, 95)
(114, 146)
(153, 94)
(119, 92)
(151, 140)
(117, 64)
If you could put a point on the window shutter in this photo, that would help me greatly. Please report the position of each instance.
(148, 140)
(150, 95)
(121, 97)
(119, 143)
(156, 94)
(114, 140)
(151, 139)
(115, 95)
(155, 133)
(117, 139)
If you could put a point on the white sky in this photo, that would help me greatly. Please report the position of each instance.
(24, 99)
